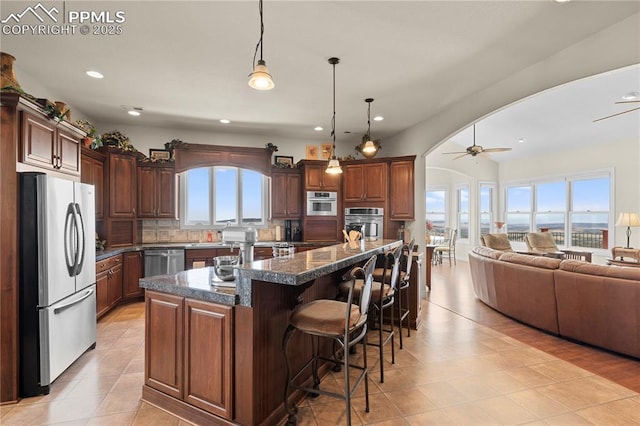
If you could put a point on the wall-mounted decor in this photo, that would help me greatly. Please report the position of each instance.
(312, 152)
(325, 151)
(159, 154)
(284, 161)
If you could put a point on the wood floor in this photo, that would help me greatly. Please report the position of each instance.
(466, 365)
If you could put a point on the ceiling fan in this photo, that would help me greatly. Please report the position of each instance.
(620, 113)
(474, 149)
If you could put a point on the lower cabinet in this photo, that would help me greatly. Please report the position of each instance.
(189, 351)
(133, 270)
(108, 284)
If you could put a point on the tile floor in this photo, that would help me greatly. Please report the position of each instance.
(454, 370)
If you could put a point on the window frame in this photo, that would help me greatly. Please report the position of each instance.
(445, 213)
(460, 212)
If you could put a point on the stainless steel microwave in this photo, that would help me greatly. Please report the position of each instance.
(320, 203)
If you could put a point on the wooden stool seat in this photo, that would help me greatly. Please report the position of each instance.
(326, 317)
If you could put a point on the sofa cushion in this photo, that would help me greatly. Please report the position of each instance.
(629, 273)
(529, 260)
(488, 252)
(497, 242)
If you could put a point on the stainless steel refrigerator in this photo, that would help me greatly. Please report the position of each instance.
(57, 277)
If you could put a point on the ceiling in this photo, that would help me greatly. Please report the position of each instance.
(186, 64)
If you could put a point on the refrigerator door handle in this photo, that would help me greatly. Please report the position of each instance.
(70, 254)
(80, 236)
(66, 306)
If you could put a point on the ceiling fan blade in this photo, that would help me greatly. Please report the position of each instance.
(459, 152)
(613, 115)
(460, 156)
(484, 154)
(497, 149)
(627, 102)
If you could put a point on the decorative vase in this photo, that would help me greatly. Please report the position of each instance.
(7, 75)
(64, 109)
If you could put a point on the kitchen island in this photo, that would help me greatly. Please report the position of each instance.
(213, 353)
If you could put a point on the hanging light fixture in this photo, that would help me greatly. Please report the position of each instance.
(334, 165)
(369, 147)
(260, 78)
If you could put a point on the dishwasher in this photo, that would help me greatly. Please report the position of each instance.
(163, 261)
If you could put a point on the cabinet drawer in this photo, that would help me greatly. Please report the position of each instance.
(108, 263)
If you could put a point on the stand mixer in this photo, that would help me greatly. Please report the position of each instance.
(243, 237)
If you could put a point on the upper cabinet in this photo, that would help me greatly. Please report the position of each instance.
(92, 172)
(156, 190)
(316, 179)
(365, 182)
(286, 194)
(46, 144)
(401, 189)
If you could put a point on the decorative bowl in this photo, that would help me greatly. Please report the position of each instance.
(223, 266)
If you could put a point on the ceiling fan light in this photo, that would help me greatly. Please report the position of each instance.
(260, 79)
(333, 168)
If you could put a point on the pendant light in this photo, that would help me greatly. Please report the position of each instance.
(260, 78)
(334, 165)
(369, 147)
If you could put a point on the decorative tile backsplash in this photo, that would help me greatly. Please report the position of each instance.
(168, 231)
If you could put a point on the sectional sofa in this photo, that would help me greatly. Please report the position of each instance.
(594, 304)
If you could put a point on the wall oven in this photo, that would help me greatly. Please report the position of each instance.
(368, 220)
(322, 203)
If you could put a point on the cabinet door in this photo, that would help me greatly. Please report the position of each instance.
(198, 258)
(353, 182)
(313, 177)
(294, 196)
(401, 191)
(165, 192)
(114, 286)
(38, 146)
(133, 269)
(286, 199)
(68, 152)
(163, 348)
(208, 357)
(102, 298)
(146, 192)
(321, 229)
(122, 186)
(92, 172)
(375, 182)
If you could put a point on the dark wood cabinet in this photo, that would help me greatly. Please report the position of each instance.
(120, 227)
(365, 182)
(286, 196)
(108, 284)
(200, 258)
(260, 253)
(132, 271)
(48, 144)
(92, 172)
(322, 229)
(316, 179)
(189, 351)
(401, 190)
(156, 191)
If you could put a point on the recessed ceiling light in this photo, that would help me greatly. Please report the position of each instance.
(134, 113)
(562, 1)
(522, 140)
(631, 96)
(225, 121)
(318, 129)
(378, 118)
(94, 74)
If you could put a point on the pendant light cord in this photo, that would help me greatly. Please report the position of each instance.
(333, 119)
(369, 121)
(259, 44)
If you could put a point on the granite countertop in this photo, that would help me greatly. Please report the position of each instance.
(295, 269)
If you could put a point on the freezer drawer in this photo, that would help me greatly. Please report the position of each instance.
(67, 330)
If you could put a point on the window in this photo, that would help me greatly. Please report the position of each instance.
(436, 210)
(487, 206)
(518, 217)
(463, 212)
(215, 196)
(575, 206)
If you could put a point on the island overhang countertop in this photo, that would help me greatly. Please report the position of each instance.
(293, 270)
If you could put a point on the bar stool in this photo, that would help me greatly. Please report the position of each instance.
(346, 324)
(382, 297)
(403, 284)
